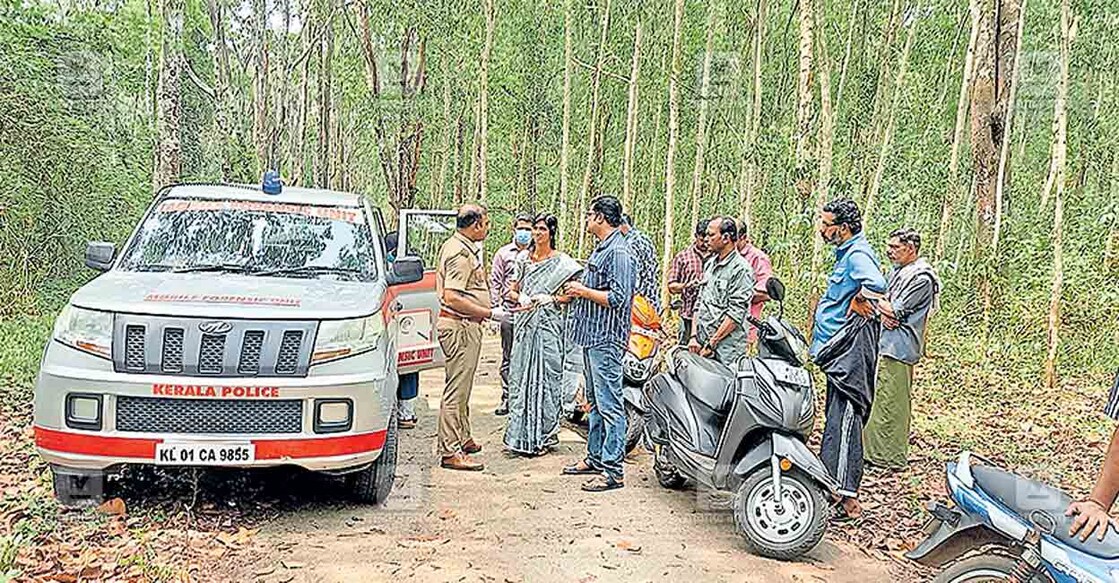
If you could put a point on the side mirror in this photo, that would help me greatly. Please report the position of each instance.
(775, 289)
(406, 270)
(99, 255)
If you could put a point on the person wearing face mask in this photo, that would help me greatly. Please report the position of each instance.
(911, 298)
(501, 282)
(845, 337)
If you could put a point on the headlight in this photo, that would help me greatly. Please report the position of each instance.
(342, 338)
(86, 330)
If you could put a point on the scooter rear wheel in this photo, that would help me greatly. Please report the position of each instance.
(667, 474)
(635, 427)
(987, 566)
(784, 529)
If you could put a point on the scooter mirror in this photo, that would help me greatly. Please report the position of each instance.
(775, 289)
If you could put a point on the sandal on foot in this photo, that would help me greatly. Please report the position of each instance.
(602, 483)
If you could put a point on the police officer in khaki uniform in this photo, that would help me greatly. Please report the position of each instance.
(462, 284)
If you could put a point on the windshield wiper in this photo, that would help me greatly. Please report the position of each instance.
(311, 270)
(230, 267)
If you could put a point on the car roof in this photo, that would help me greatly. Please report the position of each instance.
(289, 194)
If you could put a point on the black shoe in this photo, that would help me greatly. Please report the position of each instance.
(502, 410)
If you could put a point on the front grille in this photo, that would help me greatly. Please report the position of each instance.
(288, 359)
(173, 350)
(178, 346)
(211, 355)
(134, 348)
(250, 352)
(208, 416)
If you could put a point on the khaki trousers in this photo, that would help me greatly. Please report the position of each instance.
(461, 341)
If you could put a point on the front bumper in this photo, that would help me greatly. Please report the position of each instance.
(65, 371)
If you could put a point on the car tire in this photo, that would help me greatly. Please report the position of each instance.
(373, 484)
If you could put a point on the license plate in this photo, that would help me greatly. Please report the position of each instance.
(792, 375)
(204, 454)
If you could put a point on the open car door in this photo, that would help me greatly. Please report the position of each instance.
(421, 234)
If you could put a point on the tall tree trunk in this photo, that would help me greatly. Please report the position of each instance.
(299, 136)
(847, 52)
(701, 122)
(750, 154)
(593, 126)
(223, 126)
(654, 154)
(326, 58)
(168, 151)
(1060, 142)
(673, 135)
(448, 144)
(483, 102)
(891, 115)
(990, 93)
(456, 162)
(261, 136)
(567, 220)
(953, 191)
(804, 98)
(1008, 126)
(631, 121)
(824, 143)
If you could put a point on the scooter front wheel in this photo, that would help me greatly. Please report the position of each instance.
(986, 566)
(785, 527)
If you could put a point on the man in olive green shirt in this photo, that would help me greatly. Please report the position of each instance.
(719, 329)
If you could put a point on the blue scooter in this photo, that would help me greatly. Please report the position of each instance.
(1003, 527)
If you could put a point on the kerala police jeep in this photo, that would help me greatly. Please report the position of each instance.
(240, 326)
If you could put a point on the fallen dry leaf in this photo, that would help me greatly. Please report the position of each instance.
(113, 507)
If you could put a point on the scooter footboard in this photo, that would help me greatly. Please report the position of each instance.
(787, 448)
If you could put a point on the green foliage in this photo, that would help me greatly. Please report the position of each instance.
(76, 134)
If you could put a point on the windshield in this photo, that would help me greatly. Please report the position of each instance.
(256, 238)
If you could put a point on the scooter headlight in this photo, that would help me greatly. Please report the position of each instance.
(86, 330)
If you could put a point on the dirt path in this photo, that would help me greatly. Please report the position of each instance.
(521, 521)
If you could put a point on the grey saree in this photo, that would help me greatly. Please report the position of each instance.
(537, 360)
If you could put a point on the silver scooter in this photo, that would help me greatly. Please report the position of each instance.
(742, 429)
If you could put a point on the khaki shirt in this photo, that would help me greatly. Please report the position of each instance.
(460, 268)
(726, 291)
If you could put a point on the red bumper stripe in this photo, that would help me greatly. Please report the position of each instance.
(266, 449)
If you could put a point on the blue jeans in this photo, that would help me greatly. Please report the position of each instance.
(606, 434)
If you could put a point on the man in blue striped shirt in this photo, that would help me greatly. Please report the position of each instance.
(601, 305)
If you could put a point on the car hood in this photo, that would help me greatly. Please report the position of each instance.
(224, 295)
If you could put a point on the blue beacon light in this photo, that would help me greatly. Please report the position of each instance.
(272, 183)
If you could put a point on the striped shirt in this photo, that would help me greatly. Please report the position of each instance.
(1112, 408)
(687, 267)
(610, 268)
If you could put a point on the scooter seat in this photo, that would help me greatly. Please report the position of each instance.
(1045, 506)
(708, 381)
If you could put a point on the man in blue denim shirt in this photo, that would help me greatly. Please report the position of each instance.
(601, 305)
(845, 346)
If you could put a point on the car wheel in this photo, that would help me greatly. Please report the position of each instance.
(373, 484)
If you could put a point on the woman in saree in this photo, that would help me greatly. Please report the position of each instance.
(539, 340)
